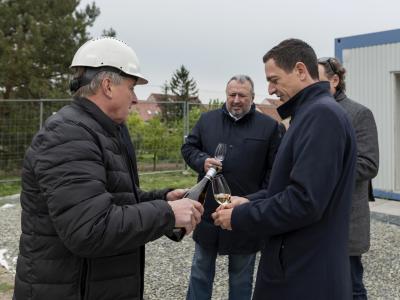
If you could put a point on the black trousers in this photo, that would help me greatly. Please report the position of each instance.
(357, 271)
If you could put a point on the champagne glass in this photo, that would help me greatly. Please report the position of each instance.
(221, 191)
(220, 152)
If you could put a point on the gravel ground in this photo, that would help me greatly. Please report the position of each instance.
(168, 263)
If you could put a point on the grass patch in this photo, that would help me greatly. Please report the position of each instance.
(152, 181)
(180, 179)
(10, 188)
(5, 287)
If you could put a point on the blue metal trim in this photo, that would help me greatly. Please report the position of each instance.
(364, 40)
(386, 194)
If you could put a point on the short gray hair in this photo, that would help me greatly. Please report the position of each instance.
(91, 88)
(242, 79)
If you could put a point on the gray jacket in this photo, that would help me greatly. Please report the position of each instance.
(367, 168)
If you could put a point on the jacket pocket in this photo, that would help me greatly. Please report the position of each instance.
(116, 266)
(256, 147)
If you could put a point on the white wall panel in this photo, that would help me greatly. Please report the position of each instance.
(370, 81)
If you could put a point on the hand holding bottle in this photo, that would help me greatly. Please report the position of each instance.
(197, 193)
(212, 163)
(176, 194)
(187, 213)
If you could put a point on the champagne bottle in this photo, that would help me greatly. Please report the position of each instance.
(198, 193)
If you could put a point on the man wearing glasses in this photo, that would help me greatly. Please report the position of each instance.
(367, 168)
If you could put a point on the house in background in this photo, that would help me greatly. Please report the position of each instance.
(150, 108)
(372, 62)
(268, 106)
(156, 97)
(146, 110)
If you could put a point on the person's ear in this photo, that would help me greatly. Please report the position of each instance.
(301, 70)
(106, 87)
(335, 80)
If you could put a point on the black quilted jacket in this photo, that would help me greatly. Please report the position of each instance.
(84, 222)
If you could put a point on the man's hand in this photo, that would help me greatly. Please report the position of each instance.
(222, 217)
(234, 201)
(212, 163)
(187, 213)
(176, 194)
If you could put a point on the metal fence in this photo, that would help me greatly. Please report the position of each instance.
(19, 121)
(158, 132)
(157, 129)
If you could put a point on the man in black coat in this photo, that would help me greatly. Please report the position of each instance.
(84, 220)
(303, 216)
(252, 140)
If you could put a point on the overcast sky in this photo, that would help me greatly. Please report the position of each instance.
(216, 39)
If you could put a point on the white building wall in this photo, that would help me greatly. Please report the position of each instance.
(370, 81)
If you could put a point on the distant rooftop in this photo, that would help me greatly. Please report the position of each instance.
(146, 110)
(156, 97)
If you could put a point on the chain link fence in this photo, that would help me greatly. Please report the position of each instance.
(157, 129)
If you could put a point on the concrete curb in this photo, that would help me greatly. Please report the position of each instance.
(11, 198)
(386, 218)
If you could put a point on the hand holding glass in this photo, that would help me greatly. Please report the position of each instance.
(221, 191)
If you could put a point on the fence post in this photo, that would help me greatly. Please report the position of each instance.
(187, 119)
(41, 113)
(185, 123)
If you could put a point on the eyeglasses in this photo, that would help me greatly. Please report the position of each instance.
(328, 61)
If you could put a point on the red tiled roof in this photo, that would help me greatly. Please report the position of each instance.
(147, 110)
(269, 110)
(171, 98)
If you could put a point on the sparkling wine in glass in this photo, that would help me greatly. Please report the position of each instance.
(220, 152)
(222, 193)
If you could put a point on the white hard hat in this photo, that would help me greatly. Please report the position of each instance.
(109, 52)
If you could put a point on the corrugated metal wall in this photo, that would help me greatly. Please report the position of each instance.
(371, 80)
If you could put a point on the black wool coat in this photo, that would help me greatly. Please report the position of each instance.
(303, 217)
(252, 144)
(84, 221)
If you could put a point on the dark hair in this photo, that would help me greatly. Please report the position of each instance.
(291, 51)
(331, 67)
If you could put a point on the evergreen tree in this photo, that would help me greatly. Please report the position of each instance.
(109, 32)
(214, 103)
(182, 86)
(165, 89)
(37, 42)
(184, 89)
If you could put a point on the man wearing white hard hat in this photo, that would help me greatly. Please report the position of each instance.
(84, 220)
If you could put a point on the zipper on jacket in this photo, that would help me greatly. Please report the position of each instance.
(83, 279)
(127, 161)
